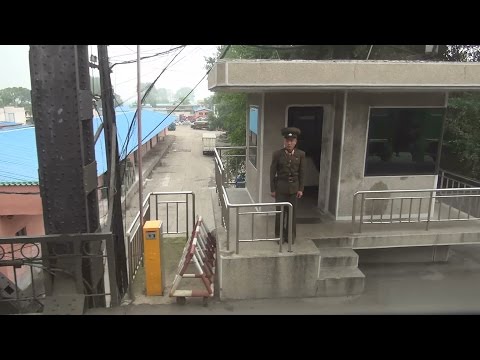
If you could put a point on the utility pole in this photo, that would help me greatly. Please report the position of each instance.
(139, 137)
(113, 176)
(62, 109)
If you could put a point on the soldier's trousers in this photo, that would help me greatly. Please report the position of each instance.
(291, 198)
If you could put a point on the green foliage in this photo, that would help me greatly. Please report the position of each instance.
(462, 135)
(181, 93)
(231, 116)
(16, 96)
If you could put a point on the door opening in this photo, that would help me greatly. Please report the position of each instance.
(309, 119)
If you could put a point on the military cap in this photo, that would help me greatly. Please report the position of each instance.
(290, 132)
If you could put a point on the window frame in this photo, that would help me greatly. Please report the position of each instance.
(435, 173)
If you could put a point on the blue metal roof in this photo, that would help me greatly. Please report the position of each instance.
(18, 148)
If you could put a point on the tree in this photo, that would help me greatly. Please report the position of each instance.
(163, 96)
(16, 96)
(182, 93)
(462, 133)
(231, 116)
(461, 144)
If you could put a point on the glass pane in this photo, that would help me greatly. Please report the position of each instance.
(403, 141)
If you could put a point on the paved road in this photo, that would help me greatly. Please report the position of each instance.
(451, 288)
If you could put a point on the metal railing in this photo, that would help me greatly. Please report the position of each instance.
(153, 209)
(225, 174)
(448, 179)
(29, 265)
(134, 244)
(405, 206)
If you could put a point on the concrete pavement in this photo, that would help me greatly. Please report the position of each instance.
(426, 288)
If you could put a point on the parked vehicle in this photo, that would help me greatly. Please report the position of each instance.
(172, 127)
(208, 141)
(200, 124)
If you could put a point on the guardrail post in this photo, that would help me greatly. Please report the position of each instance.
(362, 205)
(290, 225)
(354, 211)
(429, 210)
(237, 231)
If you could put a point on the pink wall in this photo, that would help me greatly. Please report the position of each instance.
(19, 211)
(9, 225)
(14, 204)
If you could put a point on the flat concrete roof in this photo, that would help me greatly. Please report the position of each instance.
(302, 75)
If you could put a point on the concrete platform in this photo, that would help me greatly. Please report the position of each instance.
(324, 259)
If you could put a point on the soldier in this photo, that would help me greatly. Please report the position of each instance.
(287, 172)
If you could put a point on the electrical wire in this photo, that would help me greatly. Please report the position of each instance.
(147, 57)
(203, 77)
(130, 129)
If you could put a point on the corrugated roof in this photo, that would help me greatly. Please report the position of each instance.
(18, 149)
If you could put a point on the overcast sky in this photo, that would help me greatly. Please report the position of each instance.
(185, 71)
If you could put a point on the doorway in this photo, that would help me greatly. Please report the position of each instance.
(309, 119)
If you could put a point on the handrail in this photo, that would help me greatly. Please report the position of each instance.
(279, 204)
(462, 196)
(133, 238)
(227, 205)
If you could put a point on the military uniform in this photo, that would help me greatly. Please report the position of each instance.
(287, 173)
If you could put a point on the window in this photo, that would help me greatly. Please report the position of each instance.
(253, 133)
(403, 141)
(21, 232)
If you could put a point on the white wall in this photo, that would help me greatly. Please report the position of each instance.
(13, 114)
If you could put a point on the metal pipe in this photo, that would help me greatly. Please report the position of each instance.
(282, 215)
(371, 212)
(362, 205)
(252, 225)
(139, 139)
(419, 208)
(391, 210)
(237, 230)
(401, 208)
(410, 210)
(290, 227)
(354, 212)
(429, 210)
(186, 215)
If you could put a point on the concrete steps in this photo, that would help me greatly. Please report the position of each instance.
(338, 242)
(338, 273)
(338, 257)
(340, 282)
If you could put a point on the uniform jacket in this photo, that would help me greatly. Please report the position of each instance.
(285, 167)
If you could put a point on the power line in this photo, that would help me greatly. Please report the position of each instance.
(203, 77)
(149, 56)
(19, 193)
(130, 129)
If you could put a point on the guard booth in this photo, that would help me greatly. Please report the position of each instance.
(366, 125)
(372, 132)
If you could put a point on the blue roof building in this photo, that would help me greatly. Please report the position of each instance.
(18, 148)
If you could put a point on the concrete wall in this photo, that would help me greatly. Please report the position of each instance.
(339, 100)
(276, 116)
(245, 75)
(12, 224)
(13, 114)
(259, 277)
(253, 173)
(416, 254)
(355, 141)
(16, 204)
